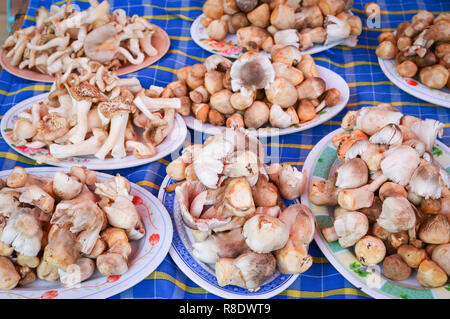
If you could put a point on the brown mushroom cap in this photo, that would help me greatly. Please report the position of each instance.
(87, 92)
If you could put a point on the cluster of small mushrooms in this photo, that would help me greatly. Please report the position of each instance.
(254, 91)
(420, 47)
(232, 203)
(300, 23)
(63, 229)
(393, 201)
(97, 115)
(65, 40)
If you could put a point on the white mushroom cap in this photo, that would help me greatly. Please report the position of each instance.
(350, 227)
(65, 186)
(352, 174)
(427, 131)
(397, 215)
(388, 135)
(399, 164)
(102, 43)
(265, 233)
(252, 72)
(371, 119)
(425, 181)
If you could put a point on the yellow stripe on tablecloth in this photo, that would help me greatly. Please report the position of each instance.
(358, 46)
(392, 103)
(397, 12)
(34, 87)
(320, 260)
(18, 158)
(162, 68)
(168, 17)
(163, 161)
(288, 292)
(362, 83)
(322, 294)
(294, 163)
(173, 9)
(301, 146)
(346, 65)
(185, 54)
(379, 29)
(179, 38)
(149, 184)
(179, 284)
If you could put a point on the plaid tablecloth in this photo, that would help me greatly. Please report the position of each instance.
(358, 66)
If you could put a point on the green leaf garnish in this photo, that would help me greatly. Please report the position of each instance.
(437, 151)
(357, 269)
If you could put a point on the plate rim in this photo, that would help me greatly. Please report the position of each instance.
(194, 124)
(101, 166)
(203, 283)
(139, 275)
(194, 34)
(308, 165)
(131, 68)
(384, 65)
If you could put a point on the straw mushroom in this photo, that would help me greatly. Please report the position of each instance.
(370, 250)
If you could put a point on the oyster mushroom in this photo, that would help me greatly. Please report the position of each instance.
(371, 119)
(23, 232)
(83, 218)
(388, 135)
(427, 131)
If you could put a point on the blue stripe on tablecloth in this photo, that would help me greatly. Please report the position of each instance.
(358, 66)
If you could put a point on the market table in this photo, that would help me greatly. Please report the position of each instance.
(358, 66)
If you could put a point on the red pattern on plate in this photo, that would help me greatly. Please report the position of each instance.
(113, 278)
(411, 82)
(49, 294)
(154, 239)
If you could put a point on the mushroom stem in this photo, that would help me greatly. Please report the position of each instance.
(86, 147)
(118, 126)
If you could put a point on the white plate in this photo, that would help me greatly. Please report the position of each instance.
(321, 163)
(203, 274)
(413, 86)
(175, 138)
(229, 47)
(147, 253)
(332, 79)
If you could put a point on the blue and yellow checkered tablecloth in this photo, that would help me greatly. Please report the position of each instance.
(358, 66)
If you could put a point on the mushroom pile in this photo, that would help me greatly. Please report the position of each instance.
(254, 91)
(392, 200)
(64, 40)
(63, 229)
(98, 116)
(233, 205)
(263, 24)
(420, 47)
